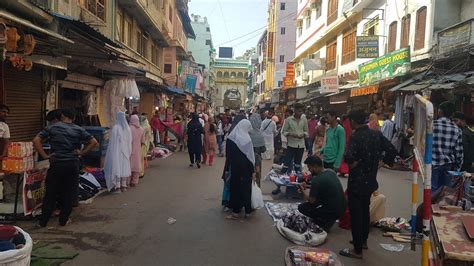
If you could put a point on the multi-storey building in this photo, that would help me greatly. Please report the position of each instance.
(285, 38)
(260, 69)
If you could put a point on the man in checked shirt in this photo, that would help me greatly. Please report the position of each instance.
(447, 147)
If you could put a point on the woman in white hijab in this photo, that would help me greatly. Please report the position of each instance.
(117, 160)
(241, 160)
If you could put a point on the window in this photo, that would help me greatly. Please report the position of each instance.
(168, 68)
(299, 26)
(308, 21)
(226, 74)
(138, 44)
(170, 13)
(208, 42)
(371, 28)
(219, 74)
(319, 9)
(282, 30)
(392, 37)
(155, 55)
(282, 6)
(332, 11)
(405, 31)
(119, 26)
(208, 29)
(96, 7)
(127, 30)
(331, 55)
(280, 83)
(282, 58)
(348, 47)
(420, 28)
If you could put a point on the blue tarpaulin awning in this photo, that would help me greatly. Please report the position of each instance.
(175, 90)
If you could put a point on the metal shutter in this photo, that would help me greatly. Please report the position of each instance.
(23, 94)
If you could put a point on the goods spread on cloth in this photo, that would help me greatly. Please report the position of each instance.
(301, 230)
(278, 210)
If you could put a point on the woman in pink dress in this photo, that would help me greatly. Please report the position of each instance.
(374, 122)
(138, 138)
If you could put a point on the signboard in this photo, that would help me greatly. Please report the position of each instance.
(291, 95)
(33, 190)
(270, 45)
(391, 65)
(226, 52)
(455, 37)
(190, 85)
(329, 84)
(364, 91)
(367, 46)
(289, 80)
(232, 99)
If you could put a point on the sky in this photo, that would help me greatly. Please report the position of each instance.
(231, 19)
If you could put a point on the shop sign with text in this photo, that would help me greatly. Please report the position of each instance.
(394, 64)
(329, 84)
(367, 46)
(364, 91)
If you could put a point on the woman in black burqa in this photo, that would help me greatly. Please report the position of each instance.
(240, 161)
(194, 132)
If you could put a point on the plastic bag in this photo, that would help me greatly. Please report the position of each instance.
(305, 239)
(257, 198)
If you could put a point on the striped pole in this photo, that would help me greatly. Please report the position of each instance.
(414, 202)
(427, 193)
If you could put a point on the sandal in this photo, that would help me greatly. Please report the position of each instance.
(232, 217)
(350, 253)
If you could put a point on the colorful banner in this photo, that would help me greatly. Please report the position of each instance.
(270, 45)
(191, 81)
(367, 46)
(33, 190)
(394, 64)
(289, 80)
(329, 84)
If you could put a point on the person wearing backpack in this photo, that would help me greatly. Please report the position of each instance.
(467, 141)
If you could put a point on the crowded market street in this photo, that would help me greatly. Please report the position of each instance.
(132, 228)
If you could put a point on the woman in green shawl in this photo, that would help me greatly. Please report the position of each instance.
(148, 141)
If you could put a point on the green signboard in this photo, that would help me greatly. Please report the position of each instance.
(391, 65)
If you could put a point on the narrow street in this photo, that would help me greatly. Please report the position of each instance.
(132, 228)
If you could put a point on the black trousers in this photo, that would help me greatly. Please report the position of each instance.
(240, 192)
(360, 218)
(293, 155)
(62, 182)
(194, 157)
(313, 211)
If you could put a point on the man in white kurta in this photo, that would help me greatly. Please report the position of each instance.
(269, 130)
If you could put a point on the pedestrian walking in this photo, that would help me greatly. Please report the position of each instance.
(62, 180)
(388, 127)
(320, 137)
(269, 130)
(241, 163)
(158, 128)
(117, 159)
(138, 139)
(312, 124)
(258, 142)
(447, 147)
(212, 141)
(467, 142)
(195, 131)
(335, 143)
(346, 124)
(220, 135)
(366, 148)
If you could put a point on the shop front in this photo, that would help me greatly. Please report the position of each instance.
(364, 97)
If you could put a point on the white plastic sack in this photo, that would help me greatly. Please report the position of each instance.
(305, 239)
(257, 198)
(18, 257)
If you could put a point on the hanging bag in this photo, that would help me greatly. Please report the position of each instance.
(257, 197)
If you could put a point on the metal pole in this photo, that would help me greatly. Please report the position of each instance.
(427, 184)
(414, 202)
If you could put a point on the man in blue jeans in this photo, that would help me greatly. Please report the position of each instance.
(295, 130)
(447, 147)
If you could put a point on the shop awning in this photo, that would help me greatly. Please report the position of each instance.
(408, 82)
(175, 90)
(415, 87)
(26, 23)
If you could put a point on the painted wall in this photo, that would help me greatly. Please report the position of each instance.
(285, 44)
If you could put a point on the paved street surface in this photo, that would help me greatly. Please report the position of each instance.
(132, 229)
